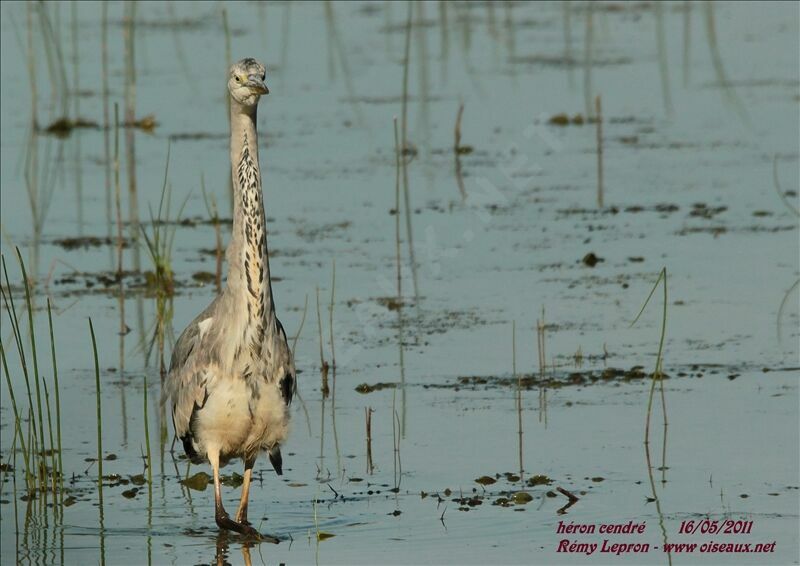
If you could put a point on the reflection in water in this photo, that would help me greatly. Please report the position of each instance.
(321, 463)
(655, 494)
(567, 18)
(128, 34)
(336, 47)
(55, 59)
(687, 39)
(175, 28)
(294, 355)
(460, 179)
(31, 60)
(398, 265)
(588, 40)
(76, 116)
(406, 153)
(106, 126)
(339, 469)
(285, 27)
(423, 123)
(40, 179)
(716, 59)
(40, 183)
(466, 35)
(779, 316)
(223, 546)
(130, 137)
(444, 40)
(397, 462)
(541, 328)
(403, 392)
(663, 65)
(511, 40)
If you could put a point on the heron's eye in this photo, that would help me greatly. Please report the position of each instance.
(238, 80)
(264, 76)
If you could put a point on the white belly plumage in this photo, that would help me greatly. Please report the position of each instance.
(236, 422)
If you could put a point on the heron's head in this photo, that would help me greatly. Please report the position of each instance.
(246, 81)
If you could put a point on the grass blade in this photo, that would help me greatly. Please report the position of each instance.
(99, 416)
(58, 398)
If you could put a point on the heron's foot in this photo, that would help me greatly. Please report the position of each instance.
(225, 522)
(243, 528)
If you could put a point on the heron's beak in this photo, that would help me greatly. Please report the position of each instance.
(256, 84)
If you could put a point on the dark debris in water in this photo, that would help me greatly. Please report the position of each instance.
(315, 233)
(107, 282)
(365, 388)
(591, 259)
(85, 242)
(391, 303)
(564, 120)
(530, 381)
(191, 136)
(567, 62)
(204, 277)
(514, 494)
(62, 127)
(702, 210)
(663, 208)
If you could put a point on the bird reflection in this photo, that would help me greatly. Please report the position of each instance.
(223, 546)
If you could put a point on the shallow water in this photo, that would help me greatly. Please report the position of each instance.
(688, 186)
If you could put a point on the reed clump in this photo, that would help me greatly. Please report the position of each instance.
(160, 240)
(41, 454)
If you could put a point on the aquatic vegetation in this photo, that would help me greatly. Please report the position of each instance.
(99, 407)
(38, 478)
(658, 376)
(161, 239)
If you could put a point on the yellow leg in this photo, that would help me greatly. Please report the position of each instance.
(220, 515)
(241, 514)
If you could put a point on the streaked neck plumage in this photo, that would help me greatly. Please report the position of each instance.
(248, 285)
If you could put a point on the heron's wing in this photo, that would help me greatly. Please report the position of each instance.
(185, 385)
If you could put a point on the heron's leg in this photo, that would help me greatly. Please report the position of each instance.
(241, 514)
(220, 515)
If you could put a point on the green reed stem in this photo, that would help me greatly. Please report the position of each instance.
(53, 467)
(8, 300)
(147, 438)
(330, 323)
(657, 373)
(58, 397)
(12, 459)
(99, 415)
(32, 334)
(17, 426)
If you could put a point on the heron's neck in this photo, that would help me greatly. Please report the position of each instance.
(249, 283)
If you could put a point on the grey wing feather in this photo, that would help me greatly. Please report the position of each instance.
(185, 383)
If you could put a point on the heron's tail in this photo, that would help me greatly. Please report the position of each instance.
(276, 459)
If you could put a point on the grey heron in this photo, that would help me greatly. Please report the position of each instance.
(232, 374)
